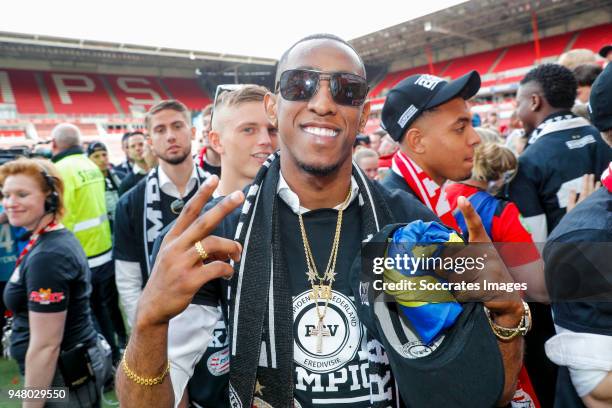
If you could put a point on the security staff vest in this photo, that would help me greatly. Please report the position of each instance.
(84, 200)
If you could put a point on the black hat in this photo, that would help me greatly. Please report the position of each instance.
(95, 146)
(427, 374)
(600, 101)
(417, 93)
(605, 50)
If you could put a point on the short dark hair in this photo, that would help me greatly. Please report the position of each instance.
(125, 136)
(557, 82)
(586, 74)
(170, 104)
(320, 36)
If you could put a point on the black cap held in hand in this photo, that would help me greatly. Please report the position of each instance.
(417, 93)
(600, 101)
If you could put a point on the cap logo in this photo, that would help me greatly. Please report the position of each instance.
(407, 115)
(428, 81)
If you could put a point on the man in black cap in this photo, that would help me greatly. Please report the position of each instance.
(430, 119)
(105, 292)
(98, 153)
(579, 280)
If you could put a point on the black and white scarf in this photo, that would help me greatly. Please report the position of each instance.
(153, 221)
(261, 313)
(555, 123)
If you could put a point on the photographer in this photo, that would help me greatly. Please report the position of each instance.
(53, 338)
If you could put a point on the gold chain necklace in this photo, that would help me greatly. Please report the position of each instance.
(322, 285)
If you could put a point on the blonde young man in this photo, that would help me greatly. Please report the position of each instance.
(242, 135)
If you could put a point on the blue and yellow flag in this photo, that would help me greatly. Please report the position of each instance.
(422, 240)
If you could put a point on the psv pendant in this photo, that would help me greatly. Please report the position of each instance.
(320, 292)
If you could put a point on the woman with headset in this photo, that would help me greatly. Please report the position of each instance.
(53, 337)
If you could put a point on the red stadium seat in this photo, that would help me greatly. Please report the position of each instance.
(393, 78)
(72, 93)
(136, 93)
(523, 55)
(23, 92)
(187, 91)
(12, 133)
(594, 38)
(480, 62)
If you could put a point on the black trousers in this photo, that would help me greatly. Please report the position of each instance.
(104, 302)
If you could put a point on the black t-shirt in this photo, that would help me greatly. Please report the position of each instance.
(339, 373)
(129, 229)
(577, 270)
(552, 166)
(52, 277)
(342, 373)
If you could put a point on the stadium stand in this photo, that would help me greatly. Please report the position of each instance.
(135, 93)
(594, 38)
(186, 91)
(393, 78)
(506, 65)
(85, 94)
(480, 62)
(523, 55)
(79, 94)
(23, 91)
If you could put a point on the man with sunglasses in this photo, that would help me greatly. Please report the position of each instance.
(156, 200)
(244, 136)
(296, 338)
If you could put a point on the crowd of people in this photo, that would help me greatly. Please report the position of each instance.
(232, 274)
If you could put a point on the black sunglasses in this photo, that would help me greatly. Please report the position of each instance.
(301, 85)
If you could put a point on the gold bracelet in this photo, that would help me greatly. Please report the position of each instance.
(507, 334)
(141, 380)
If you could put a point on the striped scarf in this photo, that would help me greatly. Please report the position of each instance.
(426, 190)
(556, 122)
(152, 222)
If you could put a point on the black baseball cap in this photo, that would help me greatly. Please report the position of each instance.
(417, 93)
(605, 50)
(600, 101)
(95, 146)
(426, 374)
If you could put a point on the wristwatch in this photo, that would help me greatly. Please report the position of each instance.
(507, 334)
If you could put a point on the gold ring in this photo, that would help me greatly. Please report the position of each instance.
(201, 251)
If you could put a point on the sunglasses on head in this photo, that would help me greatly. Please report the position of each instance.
(221, 89)
(301, 85)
